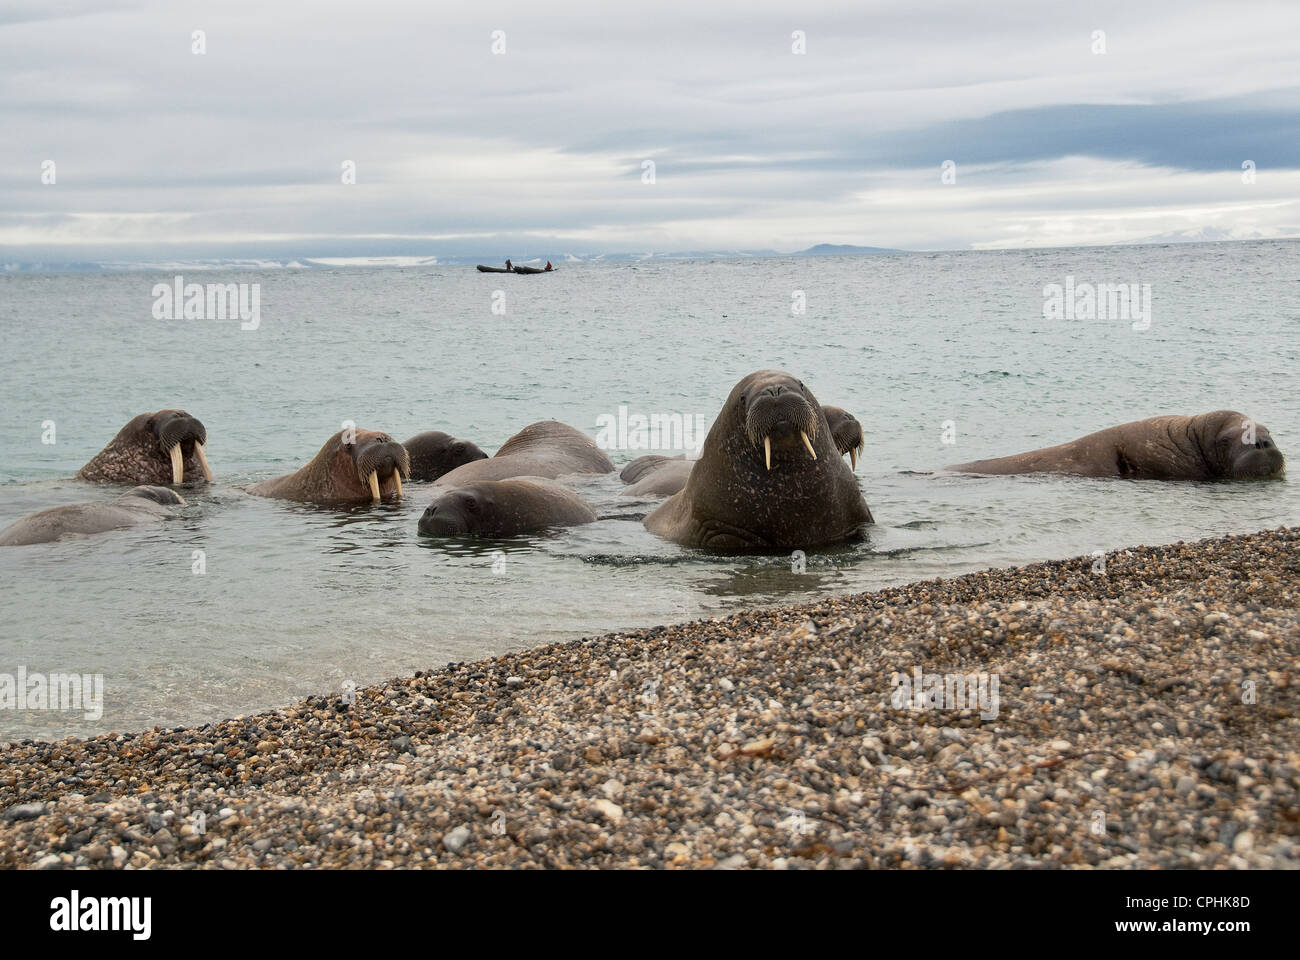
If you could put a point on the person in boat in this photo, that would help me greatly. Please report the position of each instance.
(548, 265)
(509, 265)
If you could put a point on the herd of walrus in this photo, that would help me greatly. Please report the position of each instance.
(771, 474)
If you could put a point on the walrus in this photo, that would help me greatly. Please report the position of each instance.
(134, 506)
(154, 448)
(434, 453)
(547, 449)
(364, 465)
(503, 508)
(769, 478)
(1222, 445)
(659, 476)
(846, 431)
(656, 476)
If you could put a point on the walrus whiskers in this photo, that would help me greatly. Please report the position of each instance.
(731, 504)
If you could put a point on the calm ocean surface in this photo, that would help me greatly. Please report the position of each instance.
(297, 600)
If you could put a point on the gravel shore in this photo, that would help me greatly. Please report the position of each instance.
(1146, 716)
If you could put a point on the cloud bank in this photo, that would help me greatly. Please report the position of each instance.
(1184, 126)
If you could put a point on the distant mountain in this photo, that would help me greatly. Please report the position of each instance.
(843, 250)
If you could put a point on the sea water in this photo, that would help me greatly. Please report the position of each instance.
(240, 603)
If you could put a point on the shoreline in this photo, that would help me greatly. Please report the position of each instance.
(765, 738)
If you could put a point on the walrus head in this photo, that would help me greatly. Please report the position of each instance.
(434, 453)
(379, 461)
(165, 496)
(460, 512)
(780, 417)
(769, 476)
(154, 448)
(1244, 449)
(846, 432)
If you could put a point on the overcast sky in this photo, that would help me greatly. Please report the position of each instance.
(159, 151)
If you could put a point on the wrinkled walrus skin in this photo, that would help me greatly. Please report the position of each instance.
(770, 477)
(353, 466)
(1222, 445)
(153, 448)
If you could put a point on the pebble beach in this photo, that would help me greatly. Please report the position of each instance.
(1145, 717)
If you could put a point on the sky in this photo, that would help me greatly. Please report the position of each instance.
(540, 146)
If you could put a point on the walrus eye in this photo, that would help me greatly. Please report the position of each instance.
(471, 504)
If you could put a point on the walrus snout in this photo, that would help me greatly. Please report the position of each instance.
(846, 432)
(380, 460)
(782, 416)
(463, 451)
(450, 515)
(181, 436)
(1248, 451)
(1263, 461)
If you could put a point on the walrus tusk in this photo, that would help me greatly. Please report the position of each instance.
(203, 461)
(178, 463)
(808, 443)
(397, 480)
(374, 484)
(853, 455)
(767, 451)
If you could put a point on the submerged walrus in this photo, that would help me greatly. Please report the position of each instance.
(846, 431)
(656, 476)
(154, 448)
(770, 476)
(503, 508)
(1223, 445)
(368, 466)
(434, 453)
(134, 506)
(547, 449)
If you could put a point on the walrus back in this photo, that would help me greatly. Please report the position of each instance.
(84, 519)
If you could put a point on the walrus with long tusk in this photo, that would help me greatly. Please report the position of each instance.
(352, 466)
(846, 431)
(154, 448)
(134, 506)
(769, 477)
(503, 508)
(658, 476)
(1222, 445)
